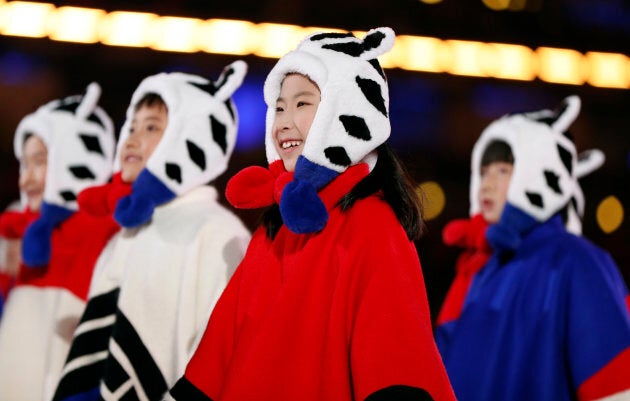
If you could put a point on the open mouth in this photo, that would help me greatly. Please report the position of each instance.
(132, 159)
(33, 194)
(290, 144)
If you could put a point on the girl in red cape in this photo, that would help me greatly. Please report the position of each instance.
(329, 302)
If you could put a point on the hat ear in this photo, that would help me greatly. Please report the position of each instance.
(230, 79)
(589, 161)
(377, 41)
(569, 110)
(89, 101)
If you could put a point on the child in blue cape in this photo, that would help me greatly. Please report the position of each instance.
(545, 317)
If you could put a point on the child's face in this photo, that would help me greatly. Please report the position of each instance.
(295, 110)
(495, 180)
(147, 129)
(33, 172)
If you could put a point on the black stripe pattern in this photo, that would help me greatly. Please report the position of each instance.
(108, 359)
(94, 330)
(186, 391)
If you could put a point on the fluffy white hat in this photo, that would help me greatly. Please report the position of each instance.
(197, 142)
(79, 137)
(351, 121)
(546, 164)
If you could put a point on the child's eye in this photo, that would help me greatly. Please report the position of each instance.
(302, 103)
(279, 109)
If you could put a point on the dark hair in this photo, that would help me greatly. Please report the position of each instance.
(497, 151)
(391, 179)
(26, 136)
(150, 99)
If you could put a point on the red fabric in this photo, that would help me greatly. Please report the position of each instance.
(471, 235)
(609, 380)
(12, 226)
(101, 200)
(255, 187)
(6, 282)
(335, 315)
(14, 223)
(77, 243)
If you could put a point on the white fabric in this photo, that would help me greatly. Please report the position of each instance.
(42, 321)
(170, 273)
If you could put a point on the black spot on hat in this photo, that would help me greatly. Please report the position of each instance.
(207, 87)
(174, 172)
(552, 181)
(337, 155)
(373, 40)
(355, 126)
(68, 196)
(196, 154)
(70, 106)
(96, 119)
(535, 199)
(91, 143)
(330, 35)
(353, 49)
(82, 172)
(219, 133)
(566, 158)
(372, 92)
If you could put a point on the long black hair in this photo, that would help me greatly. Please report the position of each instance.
(391, 179)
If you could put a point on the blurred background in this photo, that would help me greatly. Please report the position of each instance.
(457, 65)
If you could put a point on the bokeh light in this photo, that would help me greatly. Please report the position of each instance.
(609, 214)
(433, 198)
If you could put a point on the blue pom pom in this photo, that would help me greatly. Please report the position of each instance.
(303, 212)
(147, 192)
(36, 243)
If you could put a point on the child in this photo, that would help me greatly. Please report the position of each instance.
(545, 317)
(157, 280)
(329, 302)
(10, 250)
(64, 147)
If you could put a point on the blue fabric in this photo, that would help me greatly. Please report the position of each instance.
(536, 325)
(90, 395)
(507, 234)
(303, 212)
(36, 243)
(147, 192)
(317, 175)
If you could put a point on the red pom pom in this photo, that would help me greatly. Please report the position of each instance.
(454, 233)
(466, 233)
(251, 188)
(101, 200)
(14, 223)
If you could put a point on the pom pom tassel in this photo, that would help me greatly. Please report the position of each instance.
(36, 245)
(147, 193)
